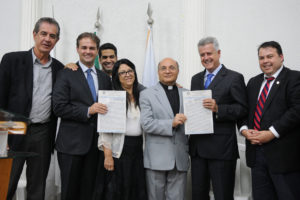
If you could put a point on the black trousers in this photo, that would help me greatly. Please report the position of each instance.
(38, 140)
(127, 181)
(267, 185)
(78, 174)
(220, 172)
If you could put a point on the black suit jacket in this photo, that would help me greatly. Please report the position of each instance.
(281, 110)
(16, 85)
(229, 91)
(71, 99)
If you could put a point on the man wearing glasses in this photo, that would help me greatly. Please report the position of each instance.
(166, 146)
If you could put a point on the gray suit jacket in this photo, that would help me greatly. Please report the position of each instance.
(165, 147)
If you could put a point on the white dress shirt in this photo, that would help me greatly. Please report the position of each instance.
(275, 75)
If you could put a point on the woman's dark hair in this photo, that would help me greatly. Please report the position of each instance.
(117, 85)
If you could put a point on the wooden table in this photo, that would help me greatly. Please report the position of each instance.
(5, 169)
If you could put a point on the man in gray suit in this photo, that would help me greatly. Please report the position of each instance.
(166, 148)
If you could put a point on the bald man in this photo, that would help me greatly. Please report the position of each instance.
(166, 151)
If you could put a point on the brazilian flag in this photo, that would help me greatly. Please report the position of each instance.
(97, 64)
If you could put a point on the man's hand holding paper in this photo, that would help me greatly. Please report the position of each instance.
(198, 107)
(98, 108)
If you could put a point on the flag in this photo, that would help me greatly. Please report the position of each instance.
(150, 69)
(97, 64)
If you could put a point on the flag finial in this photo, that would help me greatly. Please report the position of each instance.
(149, 13)
(97, 23)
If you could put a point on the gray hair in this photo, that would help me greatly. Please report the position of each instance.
(48, 20)
(209, 40)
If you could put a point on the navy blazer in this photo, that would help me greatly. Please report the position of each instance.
(71, 99)
(229, 91)
(281, 110)
(16, 86)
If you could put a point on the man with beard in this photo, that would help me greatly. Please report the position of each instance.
(107, 57)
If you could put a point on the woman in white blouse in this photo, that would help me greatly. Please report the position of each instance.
(123, 154)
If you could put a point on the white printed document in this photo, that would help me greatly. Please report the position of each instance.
(199, 119)
(114, 121)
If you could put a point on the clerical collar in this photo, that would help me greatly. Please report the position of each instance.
(167, 87)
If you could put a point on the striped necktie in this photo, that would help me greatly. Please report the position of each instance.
(261, 103)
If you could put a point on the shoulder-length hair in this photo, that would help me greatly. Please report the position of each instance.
(117, 85)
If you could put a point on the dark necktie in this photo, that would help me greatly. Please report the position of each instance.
(90, 81)
(208, 80)
(261, 103)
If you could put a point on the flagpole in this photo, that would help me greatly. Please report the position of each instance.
(97, 26)
(54, 49)
(150, 70)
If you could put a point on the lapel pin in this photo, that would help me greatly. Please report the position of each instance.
(277, 82)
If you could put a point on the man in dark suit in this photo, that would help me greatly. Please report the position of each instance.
(26, 80)
(107, 58)
(75, 101)
(214, 155)
(272, 128)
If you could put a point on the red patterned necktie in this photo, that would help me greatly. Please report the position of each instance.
(261, 103)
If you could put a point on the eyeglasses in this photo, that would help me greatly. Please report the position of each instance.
(124, 73)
